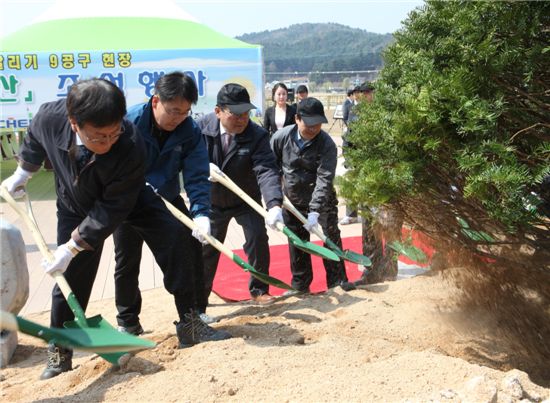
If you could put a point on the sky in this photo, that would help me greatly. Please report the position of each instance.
(229, 17)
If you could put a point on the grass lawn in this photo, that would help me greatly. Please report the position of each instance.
(40, 186)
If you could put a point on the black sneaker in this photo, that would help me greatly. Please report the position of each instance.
(136, 330)
(60, 360)
(347, 285)
(295, 293)
(192, 330)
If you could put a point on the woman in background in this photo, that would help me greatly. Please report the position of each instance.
(281, 114)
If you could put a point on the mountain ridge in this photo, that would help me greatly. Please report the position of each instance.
(296, 48)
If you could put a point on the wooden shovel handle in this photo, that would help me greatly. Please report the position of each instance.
(29, 220)
(290, 207)
(191, 224)
(226, 181)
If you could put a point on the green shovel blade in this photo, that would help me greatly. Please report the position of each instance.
(102, 332)
(309, 247)
(265, 278)
(93, 340)
(409, 250)
(349, 254)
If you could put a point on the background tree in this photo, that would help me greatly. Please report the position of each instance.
(458, 140)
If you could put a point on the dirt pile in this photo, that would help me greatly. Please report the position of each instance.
(404, 340)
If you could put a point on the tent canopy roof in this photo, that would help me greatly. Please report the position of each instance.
(116, 33)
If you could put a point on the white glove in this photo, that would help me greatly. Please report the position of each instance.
(274, 215)
(61, 258)
(15, 184)
(202, 227)
(216, 169)
(312, 221)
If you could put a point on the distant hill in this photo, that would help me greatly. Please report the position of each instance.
(319, 47)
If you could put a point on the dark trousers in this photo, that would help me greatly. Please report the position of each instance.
(177, 252)
(80, 274)
(256, 245)
(300, 261)
(167, 238)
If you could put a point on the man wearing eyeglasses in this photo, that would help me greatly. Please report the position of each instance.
(99, 161)
(174, 144)
(240, 148)
(99, 164)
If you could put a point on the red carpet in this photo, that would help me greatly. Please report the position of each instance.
(231, 282)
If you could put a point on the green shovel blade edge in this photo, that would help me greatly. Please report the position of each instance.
(349, 255)
(412, 252)
(109, 333)
(309, 247)
(355, 257)
(93, 340)
(265, 278)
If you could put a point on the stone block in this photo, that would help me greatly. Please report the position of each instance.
(14, 274)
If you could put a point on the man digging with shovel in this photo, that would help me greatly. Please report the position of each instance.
(240, 148)
(99, 162)
(307, 158)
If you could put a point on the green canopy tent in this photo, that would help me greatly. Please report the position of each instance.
(39, 62)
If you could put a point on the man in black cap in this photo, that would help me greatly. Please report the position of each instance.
(240, 148)
(307, 156)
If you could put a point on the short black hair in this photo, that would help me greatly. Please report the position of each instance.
(276, 87)
(176, 85)
(96, 101)
(301, 88)
(350, 92)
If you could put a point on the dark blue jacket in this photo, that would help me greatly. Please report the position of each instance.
(105, 191)
(183, 151)
(250, 163)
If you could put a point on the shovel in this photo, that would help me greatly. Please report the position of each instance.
(344, 254)
(225, 250)
(91, 340)
(96, 323)
(306, 246)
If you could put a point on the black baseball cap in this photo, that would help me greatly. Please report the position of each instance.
(366, 87)
(235, 98)
(311, 111)
(301, 88)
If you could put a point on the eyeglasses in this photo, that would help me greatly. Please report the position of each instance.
(176, 112)
(103, 139)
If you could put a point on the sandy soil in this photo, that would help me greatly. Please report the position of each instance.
(397, 341)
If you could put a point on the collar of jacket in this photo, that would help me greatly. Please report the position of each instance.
(212, 129)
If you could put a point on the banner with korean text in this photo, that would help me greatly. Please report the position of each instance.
(28, 79)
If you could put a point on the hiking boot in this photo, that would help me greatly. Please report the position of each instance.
(192, 330)
(60, 360)
(207, 318)
(136, 330)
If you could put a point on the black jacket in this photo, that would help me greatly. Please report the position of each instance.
(106, 189)
(269, 118)
(249, 163)
(308, 174)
